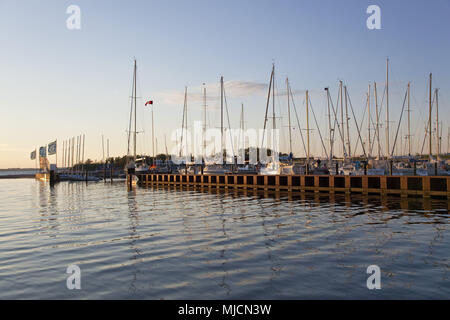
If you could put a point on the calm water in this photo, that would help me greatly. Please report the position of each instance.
(161, 243)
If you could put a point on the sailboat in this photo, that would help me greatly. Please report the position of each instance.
(215, 168)
(272, 167)
(134, 165)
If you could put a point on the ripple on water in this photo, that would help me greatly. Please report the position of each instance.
(167, 243)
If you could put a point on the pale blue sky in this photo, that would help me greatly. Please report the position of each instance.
(57, 83)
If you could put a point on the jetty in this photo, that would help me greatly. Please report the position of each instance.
(403, 186)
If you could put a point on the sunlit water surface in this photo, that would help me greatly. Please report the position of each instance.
(167, 243)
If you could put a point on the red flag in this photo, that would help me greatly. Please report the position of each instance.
(149, 102)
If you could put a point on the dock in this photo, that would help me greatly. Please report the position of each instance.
(403, 186)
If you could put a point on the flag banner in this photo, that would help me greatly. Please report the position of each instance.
(149, 102)
(33, 155)
(42, 152)
(52, 148)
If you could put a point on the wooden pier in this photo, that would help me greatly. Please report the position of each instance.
(403, 186)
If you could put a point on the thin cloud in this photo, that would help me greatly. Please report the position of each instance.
(233, 89)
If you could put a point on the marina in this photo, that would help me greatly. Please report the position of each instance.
(243, 152)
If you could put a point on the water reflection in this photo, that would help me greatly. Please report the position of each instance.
(185, 242)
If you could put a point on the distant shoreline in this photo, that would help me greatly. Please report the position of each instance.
(17, 176)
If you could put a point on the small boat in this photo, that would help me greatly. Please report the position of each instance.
(215, 169)
(247, 169)
(272, 168)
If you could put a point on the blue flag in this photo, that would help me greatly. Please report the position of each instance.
(52, 148)
(42, 152)
(33, 155)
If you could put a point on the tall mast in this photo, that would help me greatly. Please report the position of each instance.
(346, 119)
(409, 120)
(329, 124)
(387, 107)
(183, 121)
(242, 136)
(436, 91)
(369, 149)
(135, 102)
(83, 150)
(186, 123)
(289, 116)
(204, 120)
(267, 105)
(342, 121)
(429, 119)
(273, 115)
(307, 128)
(153, 136)
(378, 119)
(221, 118)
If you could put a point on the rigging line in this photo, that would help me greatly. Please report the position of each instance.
(228, 118)
(131, 115)
(399, 123)
(317, 126)
(356, 122)
(267, 107)
(426, 127)
(337, 122)
(182, 122)
(361, 124)
(298, 122)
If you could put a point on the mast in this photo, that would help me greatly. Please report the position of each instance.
(369, 149)
(307, 129)
(242, 136)
(183, 120)
(103, 148)
(378, 120)
(289, 117)
(204, 121)
(437, 123)
(429, 119)
(342, 121)
(273, 115)
(186, 125)
(221, 119)
(409, 120)
(83, 150)
(346, 119)
(387, 107)
(153, 137)
(329, 124)
(267, 106)
(165, 144)
(135, 102)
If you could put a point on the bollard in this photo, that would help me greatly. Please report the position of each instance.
(52, 178)
(435, 169)
(337, 168)
(415, 168)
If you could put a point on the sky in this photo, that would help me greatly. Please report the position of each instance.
(57, 83)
